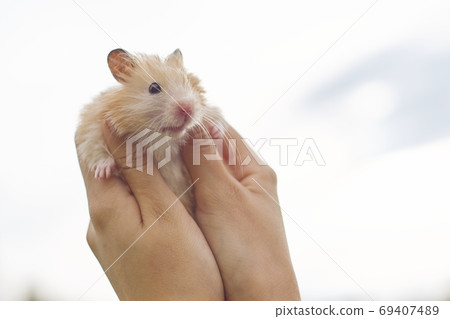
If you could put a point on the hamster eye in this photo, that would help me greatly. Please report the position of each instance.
(154, 88)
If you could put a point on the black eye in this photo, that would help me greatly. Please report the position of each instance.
(154, 88)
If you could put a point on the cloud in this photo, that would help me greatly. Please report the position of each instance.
(418, 82)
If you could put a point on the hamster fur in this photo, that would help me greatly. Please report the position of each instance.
(155, 94)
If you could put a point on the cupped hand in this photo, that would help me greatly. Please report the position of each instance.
(143, 237)
(239, 214)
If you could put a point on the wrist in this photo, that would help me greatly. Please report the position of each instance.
(275, 282)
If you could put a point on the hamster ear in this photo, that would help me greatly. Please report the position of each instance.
(175, 58)
(120, 63)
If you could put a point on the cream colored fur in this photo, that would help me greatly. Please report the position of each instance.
(130, 108)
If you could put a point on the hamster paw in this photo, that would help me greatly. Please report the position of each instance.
(104, 168)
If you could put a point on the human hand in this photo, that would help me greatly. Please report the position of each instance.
(145, 240)
(238, 212)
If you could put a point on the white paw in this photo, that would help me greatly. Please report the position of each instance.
(104, 168)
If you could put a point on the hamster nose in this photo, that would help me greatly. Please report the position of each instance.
(184, 108)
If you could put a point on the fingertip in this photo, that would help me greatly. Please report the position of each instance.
(204, 160)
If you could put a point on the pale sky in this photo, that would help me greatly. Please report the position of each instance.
(374, 98)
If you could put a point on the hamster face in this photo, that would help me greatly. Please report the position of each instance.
(155, 93)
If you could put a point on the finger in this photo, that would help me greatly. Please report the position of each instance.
(203, 160)
(149, 188)
(250, 169)
(106, 198)
(238, 154)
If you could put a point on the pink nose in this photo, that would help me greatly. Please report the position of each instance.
(184, 108)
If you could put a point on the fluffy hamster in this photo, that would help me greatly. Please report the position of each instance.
(155, 94)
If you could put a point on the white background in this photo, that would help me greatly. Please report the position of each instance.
(376, 104)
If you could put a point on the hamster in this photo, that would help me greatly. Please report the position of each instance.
(155, 95)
